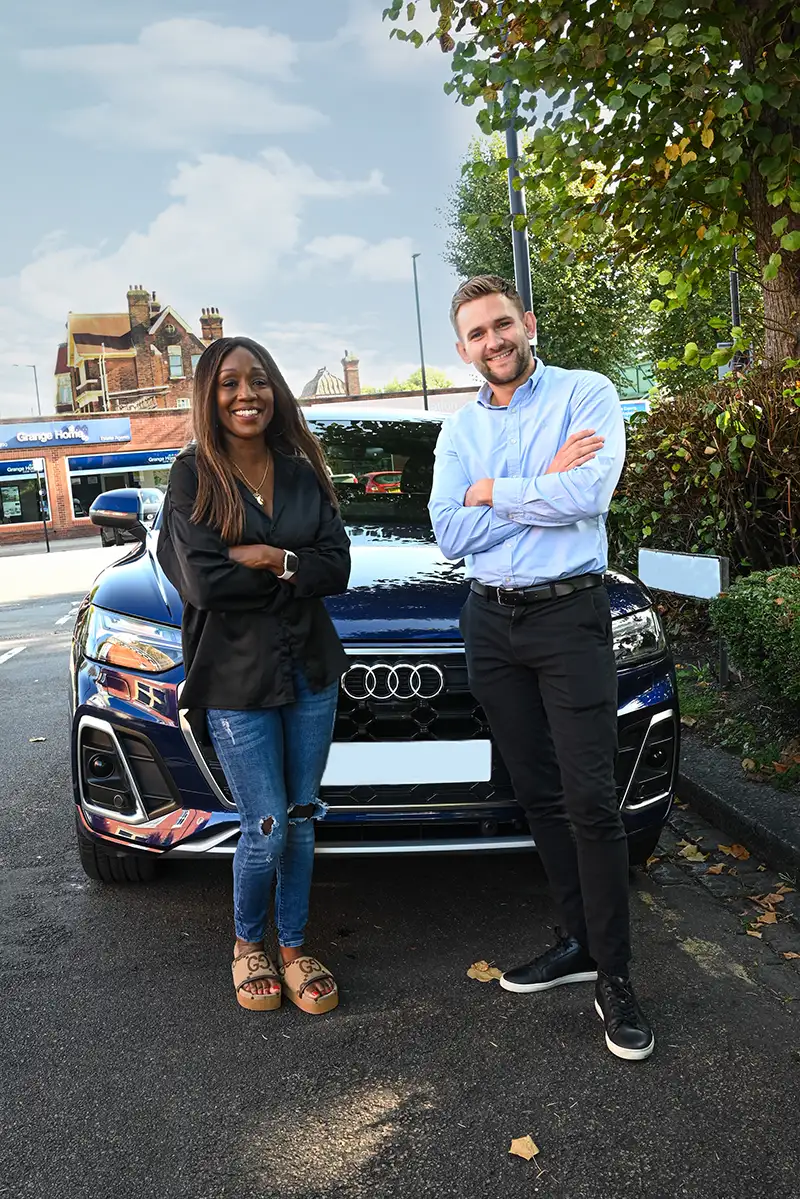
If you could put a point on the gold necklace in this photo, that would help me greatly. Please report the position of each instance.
(255, 490)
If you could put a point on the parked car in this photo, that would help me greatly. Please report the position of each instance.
(151, 500)
(381, 480)
(412, 768)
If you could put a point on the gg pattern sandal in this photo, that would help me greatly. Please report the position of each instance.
(250, 967)
(301, 974)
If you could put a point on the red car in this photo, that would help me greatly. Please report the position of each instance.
(381, 480)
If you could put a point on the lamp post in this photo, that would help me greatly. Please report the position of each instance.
(414, 258)
(517, 207)
(32, 367)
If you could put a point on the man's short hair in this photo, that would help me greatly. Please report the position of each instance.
(484, 285)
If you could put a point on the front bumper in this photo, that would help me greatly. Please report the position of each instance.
(160, 789)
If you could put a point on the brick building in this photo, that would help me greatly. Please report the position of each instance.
(131, 361)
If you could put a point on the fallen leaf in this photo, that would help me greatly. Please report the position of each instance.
(715, 869)
(760, 868)
(751, 932)
(780, 767)
(33, 739)
(784, 890)
(678, 804)
(689, 720)
(772, 898)
(792, 956)
(652, 861)
(735, 851)
(524, 1147)
(693, 854)
(748, 764)
(483, 972)
(768, 918)
(780, 600)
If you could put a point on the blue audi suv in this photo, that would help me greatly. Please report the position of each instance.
(412, 767)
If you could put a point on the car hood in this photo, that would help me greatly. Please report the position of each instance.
(400, 591)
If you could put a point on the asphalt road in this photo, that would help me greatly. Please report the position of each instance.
(127, 1068)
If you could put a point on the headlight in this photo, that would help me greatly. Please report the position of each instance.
(638, 637)
(132, 644)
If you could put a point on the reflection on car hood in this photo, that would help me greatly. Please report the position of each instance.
(401, 590)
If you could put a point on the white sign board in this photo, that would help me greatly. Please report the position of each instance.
(700, 575)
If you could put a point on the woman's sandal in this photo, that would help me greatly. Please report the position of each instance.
(302, 973)
(251, 967)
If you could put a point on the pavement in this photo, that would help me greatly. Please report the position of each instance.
(127, 1067)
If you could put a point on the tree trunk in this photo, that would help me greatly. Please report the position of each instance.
(781, 294)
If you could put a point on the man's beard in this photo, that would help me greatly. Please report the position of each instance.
(523, 357)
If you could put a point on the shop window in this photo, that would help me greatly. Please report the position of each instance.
(175, 362)
(22, 501)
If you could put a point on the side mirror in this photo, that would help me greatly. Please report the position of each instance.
(119, 509)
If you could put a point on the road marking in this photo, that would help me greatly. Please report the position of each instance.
(71, 615)
(10, 653)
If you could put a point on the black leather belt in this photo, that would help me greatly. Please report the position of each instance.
(513, 597)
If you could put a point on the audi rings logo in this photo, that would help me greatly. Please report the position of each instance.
(401, 680)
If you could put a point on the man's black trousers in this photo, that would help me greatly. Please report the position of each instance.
(545, 675)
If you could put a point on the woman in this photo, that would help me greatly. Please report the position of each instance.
(252, 539)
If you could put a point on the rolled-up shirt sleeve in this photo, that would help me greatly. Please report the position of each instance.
(459, 530)
(566, 497)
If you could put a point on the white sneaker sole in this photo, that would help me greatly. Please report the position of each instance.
(629, 1055)
(589, 976)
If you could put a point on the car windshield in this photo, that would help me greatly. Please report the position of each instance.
(150, 496)
(392, 461)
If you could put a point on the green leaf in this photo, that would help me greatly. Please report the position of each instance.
(520, 221)
(624, 20)
(655, 45)
(716, 468)
(754, 93)
(656, 305)
(615, 52)
(677, 35)
(664, 79)
(770, 271)
(791, 241)
(748, 440)
(783, 50)
(411, 12)
(664, 277)
(780, 226)
(691, 353)
(639, 89)
(716, 186)
(615, 102)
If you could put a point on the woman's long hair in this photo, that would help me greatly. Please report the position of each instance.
(219, 500)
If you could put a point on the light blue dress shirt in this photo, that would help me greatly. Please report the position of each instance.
(541, 527)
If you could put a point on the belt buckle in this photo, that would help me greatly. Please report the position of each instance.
(501, 601)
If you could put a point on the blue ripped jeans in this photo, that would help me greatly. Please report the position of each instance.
(274, 759)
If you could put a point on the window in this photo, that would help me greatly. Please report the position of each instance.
(183, 402)
(195, 359)
(23, 497)
(175, 362)
(382, 470)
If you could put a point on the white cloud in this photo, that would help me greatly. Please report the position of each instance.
(182, 83)
(387, 261)
(228, 231)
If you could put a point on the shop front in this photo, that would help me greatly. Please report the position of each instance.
(23, 493)
(91, 474)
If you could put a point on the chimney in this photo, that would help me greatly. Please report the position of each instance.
(352, 381)
(139, 311)
(210, 325)
(155, 308)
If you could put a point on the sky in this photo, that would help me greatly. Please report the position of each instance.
(278, 161)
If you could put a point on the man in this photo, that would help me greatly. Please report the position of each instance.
(522, 483)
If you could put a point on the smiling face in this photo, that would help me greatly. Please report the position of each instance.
(495, 337)
(245, 399)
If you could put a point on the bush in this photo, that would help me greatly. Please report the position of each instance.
(759, 619)
(715, 470)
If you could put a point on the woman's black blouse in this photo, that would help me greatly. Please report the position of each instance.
(244, 631)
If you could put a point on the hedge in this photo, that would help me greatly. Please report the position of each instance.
(715, 471)
(759, 619)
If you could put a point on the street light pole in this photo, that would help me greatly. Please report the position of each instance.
(32, 367)
(517, 207)
(414, 258)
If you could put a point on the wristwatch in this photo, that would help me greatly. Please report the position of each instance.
(290, 564)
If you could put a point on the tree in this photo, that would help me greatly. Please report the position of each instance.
(434, 378)
(589, 313)
(675, 124)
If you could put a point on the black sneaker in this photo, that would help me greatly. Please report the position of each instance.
(565, 962)
(628, 1035)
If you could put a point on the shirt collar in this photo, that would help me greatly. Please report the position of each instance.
(522, 393)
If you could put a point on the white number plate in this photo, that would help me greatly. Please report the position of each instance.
(403, 763)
